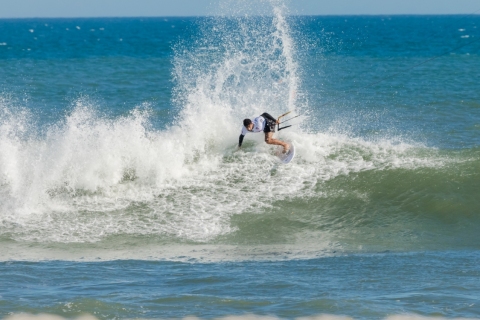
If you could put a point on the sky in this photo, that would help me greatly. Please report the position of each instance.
(162, 8)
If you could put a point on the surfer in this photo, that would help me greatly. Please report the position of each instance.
(265, 123)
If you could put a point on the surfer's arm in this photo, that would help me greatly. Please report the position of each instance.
(242, 135)
(240, 140)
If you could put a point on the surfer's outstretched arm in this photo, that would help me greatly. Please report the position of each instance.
(240, 140)
(247, 127)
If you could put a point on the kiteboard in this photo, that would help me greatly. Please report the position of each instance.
(287, 157)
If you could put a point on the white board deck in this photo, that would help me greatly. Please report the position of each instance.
(287, 157)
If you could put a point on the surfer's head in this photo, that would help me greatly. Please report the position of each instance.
(248, 124)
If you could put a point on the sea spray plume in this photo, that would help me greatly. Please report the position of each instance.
(285, 42)
(242, 64)
(16, 127)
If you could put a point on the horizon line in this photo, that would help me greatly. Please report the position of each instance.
(210, 16)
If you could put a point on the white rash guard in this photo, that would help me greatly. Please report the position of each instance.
(258, 125)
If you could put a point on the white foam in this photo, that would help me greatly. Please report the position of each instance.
(418, 317)
(89, 177)
(45, 316)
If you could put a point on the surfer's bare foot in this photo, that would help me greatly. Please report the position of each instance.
(286, 150)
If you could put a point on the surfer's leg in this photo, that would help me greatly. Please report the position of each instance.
(270, 140)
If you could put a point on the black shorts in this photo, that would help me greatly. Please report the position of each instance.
(269, 123)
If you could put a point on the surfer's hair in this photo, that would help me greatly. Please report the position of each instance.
(247, 122)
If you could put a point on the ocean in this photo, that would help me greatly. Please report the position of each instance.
(123, 194)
